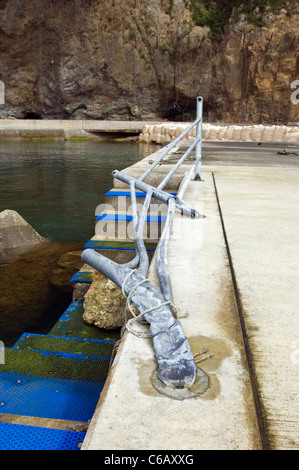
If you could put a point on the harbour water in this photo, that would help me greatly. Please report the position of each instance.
(55, 187)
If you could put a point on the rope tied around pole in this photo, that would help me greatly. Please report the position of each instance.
(139, 318)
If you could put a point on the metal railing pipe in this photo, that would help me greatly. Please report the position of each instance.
(167, 149)
(177, 165)
(198, 150)
(161, 261)
(158, 193)
(141, 257)
(185, 183)
(144, 261)
(175, 361)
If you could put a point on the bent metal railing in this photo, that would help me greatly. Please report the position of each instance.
(176, 366)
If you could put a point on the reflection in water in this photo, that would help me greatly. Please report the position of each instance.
(30, 299)
(55, 187)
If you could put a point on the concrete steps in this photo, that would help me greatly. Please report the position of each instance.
(100, 244)
(50, 383)
(114, 218)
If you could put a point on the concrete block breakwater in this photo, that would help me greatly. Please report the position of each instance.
(159, 133)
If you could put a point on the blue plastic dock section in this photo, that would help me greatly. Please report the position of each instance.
(83, 277)
(45, 397)
(128, 194)
(52, 382)
(107, 245)
(22, 437)
(129, 217)
(52, 385)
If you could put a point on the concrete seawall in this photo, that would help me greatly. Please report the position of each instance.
(147, 132)
(66, 129)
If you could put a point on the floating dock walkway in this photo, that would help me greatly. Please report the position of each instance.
(50, 385)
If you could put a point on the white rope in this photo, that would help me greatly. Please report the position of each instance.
(128, 306)
(125, 280)
(127, 324)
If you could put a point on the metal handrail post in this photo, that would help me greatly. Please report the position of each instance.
(167, 149)
(198, 149)
(175, 361)
(177, 165)
(162, 263)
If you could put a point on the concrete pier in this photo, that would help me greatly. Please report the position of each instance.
(235, 274)
(66, 129)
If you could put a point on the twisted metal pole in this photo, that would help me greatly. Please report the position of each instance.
(175, 361)
(198, 150)
(176, 365)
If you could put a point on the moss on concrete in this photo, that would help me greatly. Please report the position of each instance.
(66, 345)
(48, 364)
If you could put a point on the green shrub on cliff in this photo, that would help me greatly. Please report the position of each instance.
(216, 14)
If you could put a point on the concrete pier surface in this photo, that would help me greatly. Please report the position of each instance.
(260, 213)
(235, 274)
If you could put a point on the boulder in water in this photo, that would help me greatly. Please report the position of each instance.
(16, 236)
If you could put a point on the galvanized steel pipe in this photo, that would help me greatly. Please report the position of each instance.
(176, 365)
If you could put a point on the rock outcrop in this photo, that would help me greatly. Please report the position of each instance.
(29, 299)
(143, 59)
(16, 236)
(104, 304)
(67, 265)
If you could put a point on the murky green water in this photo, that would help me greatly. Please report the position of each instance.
(56, 186)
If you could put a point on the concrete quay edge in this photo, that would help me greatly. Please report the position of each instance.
(241, 298)
(63, 128)
(131, 414)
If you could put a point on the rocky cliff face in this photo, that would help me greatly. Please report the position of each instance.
(142, 59)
